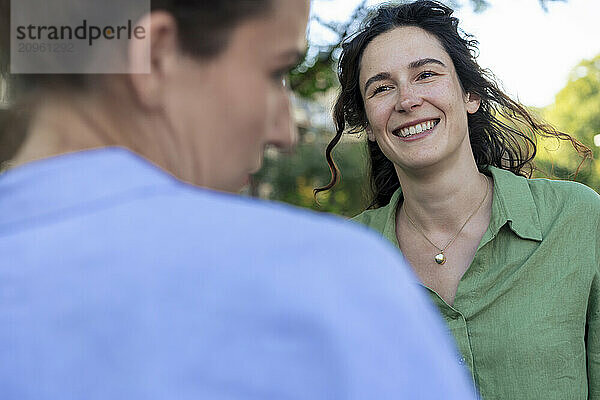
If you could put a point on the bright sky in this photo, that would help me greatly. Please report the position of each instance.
(529, 50)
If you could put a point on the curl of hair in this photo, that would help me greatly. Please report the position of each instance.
(493, 141)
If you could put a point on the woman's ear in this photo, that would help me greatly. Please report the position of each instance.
(473, 102)
(161, 53)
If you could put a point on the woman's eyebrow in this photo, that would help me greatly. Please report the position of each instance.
(413, 65)
(424, 61)
(378, 77)
(293, 57)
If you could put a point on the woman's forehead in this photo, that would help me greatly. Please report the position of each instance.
(401, 46)
(281, 31)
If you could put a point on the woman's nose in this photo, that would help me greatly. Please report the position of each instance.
(408, 100)
(283, 132)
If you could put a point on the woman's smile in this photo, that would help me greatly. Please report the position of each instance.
(415, 130)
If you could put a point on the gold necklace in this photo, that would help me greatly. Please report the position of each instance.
(440, 258)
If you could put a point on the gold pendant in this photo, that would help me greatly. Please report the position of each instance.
(440, 258)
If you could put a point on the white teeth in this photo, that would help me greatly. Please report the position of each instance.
(418, 128)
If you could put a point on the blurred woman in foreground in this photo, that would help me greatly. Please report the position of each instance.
(512, 263)
(120, 282)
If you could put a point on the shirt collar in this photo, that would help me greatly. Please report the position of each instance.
(513, 204)
(389, 230)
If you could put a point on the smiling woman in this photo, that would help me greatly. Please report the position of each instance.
(512, 263)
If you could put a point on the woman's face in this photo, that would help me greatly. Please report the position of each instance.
(415, 106)
(224, 111)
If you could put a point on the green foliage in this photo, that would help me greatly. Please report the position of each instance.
(308, 80)
(576, 110)
(577, 105)
(292, 178)
(317, 74)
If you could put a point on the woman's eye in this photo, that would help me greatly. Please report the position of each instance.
(425, 75)
(279, 77)
(380, 89)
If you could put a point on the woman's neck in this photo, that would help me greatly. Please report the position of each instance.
(74, 123)
(441, 199)
(54, 129)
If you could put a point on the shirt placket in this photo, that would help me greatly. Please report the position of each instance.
(458, 315)
(458, 327)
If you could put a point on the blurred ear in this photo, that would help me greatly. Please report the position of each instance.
(473, 102)
(162, 51)
(370, 134)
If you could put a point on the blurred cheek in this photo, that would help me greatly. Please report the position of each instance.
(281, 124)
(251, 118)
(242, 128)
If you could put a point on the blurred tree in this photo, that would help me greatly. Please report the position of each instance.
(481, 5)
(292, 178)
(576, 110)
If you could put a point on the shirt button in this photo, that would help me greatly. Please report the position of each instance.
(461, 361)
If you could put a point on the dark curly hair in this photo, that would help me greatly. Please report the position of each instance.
(510, 146)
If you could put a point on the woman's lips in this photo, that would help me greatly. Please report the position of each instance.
(417, 136)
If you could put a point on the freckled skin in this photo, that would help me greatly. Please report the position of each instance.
(431, 91)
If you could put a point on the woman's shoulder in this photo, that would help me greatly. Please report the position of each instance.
(377, 218)
(564, 191)
(374, 218)
(573, 201)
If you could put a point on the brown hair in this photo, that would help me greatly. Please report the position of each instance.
(493, 141)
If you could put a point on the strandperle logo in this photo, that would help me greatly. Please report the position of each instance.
(80, 36)
(84, 31)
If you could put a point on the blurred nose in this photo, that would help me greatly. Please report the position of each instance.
(283, 132)
(408, 100)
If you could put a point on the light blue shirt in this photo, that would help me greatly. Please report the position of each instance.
(119, 282)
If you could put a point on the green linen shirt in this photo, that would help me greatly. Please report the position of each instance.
(526, 316)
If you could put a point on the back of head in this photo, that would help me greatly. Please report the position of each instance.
(203, 27)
